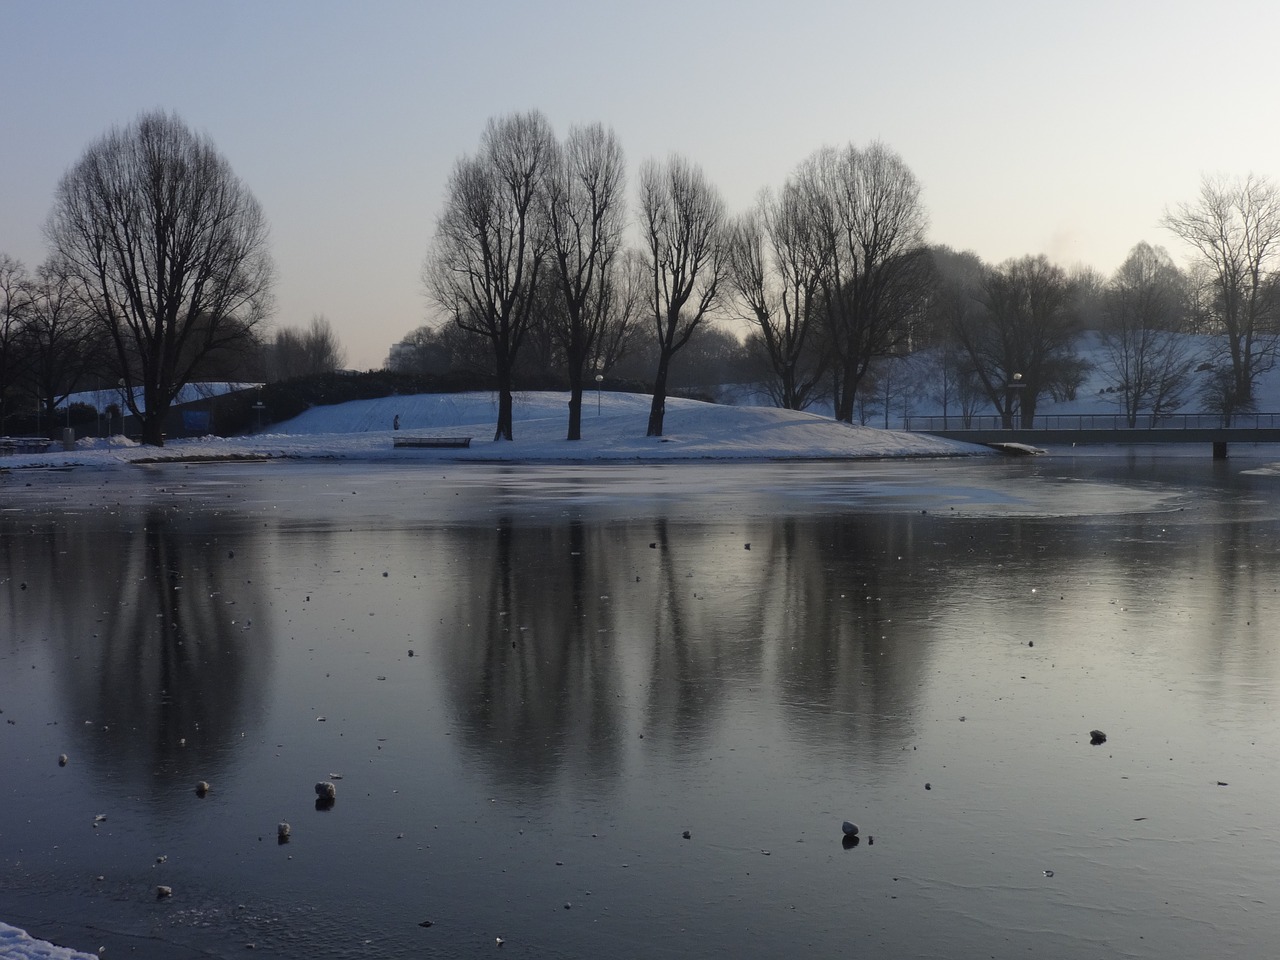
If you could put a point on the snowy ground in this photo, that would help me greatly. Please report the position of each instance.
(613, 427)
(613, 430)
(1096, 394)
(15, 944)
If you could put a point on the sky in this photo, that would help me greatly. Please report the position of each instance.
(1033, 127)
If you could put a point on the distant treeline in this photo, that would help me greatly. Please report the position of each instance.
(545, 271)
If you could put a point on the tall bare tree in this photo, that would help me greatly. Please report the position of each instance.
(1146, 357)
(866, 203)
(775, 266)
(685, 239)
(586, 213)
(1021, 343)
(492, 241)
(171, 249)
(1234, 227)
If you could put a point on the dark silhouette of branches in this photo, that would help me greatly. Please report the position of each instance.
(492, 242)
(685, 239)
(171, 250)
(1234, 228)
(586, 213)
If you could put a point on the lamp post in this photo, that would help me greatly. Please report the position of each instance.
(599, 380)
(1014, 398)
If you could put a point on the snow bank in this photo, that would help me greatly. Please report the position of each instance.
(15, 944)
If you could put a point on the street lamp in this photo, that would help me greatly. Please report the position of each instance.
(1014, 398)
(599, 380)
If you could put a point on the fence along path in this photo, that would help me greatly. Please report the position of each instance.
(1103, 428)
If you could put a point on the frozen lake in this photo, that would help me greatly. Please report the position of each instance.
(528, 683)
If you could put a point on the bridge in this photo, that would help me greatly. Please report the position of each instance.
(1074, 429)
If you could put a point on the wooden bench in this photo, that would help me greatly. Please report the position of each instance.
(14, 445)
(432, 442)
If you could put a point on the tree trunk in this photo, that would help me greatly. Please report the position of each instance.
(503, 373)
(789, 399)
(1244, 382)
(504, 429)
(575, 401)
(575, 413)
(152, 429)
(846, 390)
(51, 416)
(1027, 411)
(153, 416)
(844, 406)
(658, 409)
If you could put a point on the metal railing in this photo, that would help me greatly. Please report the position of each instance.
(1095, 421)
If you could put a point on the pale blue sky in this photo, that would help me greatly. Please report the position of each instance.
(1056, 128)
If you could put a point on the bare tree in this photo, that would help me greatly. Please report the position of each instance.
(1218, 394)
(866, 204)
(492, 241)
(1201, 314)
(304, 353)
(966, 388)
(445, 349)
(1146, 358)
(287, 355)
(15, 304)
(586, 213)
(898, 382)
(716, 357)
(776, 263)
(325, 352)
(171, 248)
(1021, 343)
(541, 365)
(60, 343)
(954, 298)
(683, 219)
(1234, 228)
(623, 299)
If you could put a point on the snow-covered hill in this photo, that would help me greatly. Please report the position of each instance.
(613, 430)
